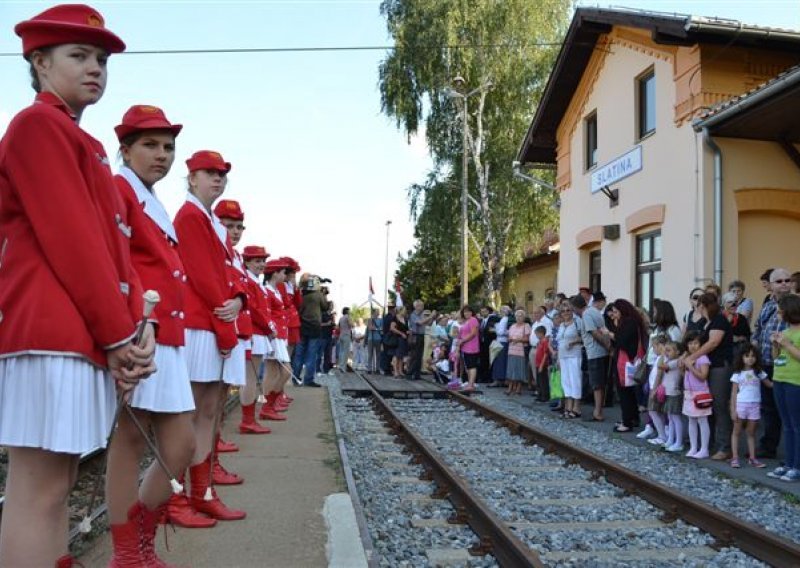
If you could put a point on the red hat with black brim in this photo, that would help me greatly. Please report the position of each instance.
(229, 209)
(67, 23)
(253, 251)
(208, 160)
(276, 265)
(145, 117)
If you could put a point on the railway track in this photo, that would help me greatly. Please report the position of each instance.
(540, 510)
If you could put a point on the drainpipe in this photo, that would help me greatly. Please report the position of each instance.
(717, 205)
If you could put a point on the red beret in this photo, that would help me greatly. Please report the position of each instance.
(67, 23)
(229, 209)
(254, 251)
(208, 160)
(145, 117)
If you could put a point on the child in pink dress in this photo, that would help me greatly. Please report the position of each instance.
(695, 381)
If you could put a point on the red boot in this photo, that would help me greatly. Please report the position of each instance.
(286, 398)
(223, 446)
(127, 543)
(65, 561)
(214, 507)
(147, 535)
(181, 513)
(222, 476)
(248, 425)
(268, 411)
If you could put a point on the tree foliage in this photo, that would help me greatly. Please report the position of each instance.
(512, 44)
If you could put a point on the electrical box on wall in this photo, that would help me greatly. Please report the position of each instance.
(611, 232)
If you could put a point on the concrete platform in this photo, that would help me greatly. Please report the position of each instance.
(288, 474)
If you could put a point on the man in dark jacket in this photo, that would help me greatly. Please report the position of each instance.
(306, 352)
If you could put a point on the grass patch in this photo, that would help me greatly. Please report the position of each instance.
(334, 460)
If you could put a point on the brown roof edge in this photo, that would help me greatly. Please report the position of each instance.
(539, 144)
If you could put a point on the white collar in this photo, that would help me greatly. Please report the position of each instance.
(219, 228)
(153, 208)
(252, 276)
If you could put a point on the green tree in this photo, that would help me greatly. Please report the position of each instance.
(510, 44)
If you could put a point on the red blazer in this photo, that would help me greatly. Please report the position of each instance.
(290, 304)
(259, 309)
(276, 308)
(66, 283)
(244, 323)
(156, 260)
(207, 263)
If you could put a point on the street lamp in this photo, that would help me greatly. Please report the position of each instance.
(453, 94)
(386, 271)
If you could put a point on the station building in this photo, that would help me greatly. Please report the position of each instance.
(674, 142)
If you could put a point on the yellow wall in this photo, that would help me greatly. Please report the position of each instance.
(538, 280)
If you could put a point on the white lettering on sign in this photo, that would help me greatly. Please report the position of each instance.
(617, 169)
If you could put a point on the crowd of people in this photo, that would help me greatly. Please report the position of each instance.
(716, 372)
(87, 358)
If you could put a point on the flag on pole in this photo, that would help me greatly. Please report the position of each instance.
(371, 290)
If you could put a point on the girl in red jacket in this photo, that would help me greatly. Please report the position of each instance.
(69, 299)
(213, 303)
(164, 402)
(255, 258)
(278, 361)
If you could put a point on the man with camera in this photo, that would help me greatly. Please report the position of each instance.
(314, 303)
(417, 323)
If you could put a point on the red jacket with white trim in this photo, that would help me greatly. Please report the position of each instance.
(278, 312)
(207, 263)
(155, 257)
(66, 283)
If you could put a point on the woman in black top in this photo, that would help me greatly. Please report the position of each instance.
(693, 320)
(718, 346)
(630, 340)
(399, 327)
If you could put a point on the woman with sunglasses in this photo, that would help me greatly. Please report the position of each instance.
(694, 319)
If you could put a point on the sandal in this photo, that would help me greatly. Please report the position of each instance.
(755, 463)
(735, 463)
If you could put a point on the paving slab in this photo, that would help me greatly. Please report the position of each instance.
(288, 476)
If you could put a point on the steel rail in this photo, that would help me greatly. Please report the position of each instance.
(727, 529)
(496, 537)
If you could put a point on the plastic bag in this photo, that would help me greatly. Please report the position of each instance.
(556, 390)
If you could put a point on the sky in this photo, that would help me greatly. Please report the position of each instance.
(317, 168)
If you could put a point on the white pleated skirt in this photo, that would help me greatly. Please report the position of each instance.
(204, 361)
(168, 389)
(261, 345)
(280, 350)
(56, 403)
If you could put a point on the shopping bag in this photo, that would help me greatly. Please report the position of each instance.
(556, 390)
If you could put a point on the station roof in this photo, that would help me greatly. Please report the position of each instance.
(539, 144)
(768, 112)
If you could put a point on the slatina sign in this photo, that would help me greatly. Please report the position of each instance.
(617, 169)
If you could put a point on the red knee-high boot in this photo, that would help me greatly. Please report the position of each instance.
(127, 542)
(181, 513)
(214, 507)
(147, 535)
(268, 411)
(223, 446)
(248, 425)
(222, 476)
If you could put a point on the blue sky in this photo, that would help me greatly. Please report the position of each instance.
(317, 168)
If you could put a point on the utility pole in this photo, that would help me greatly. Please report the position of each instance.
(386, 271)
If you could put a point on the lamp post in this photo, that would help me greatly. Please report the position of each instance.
(452, 93)
(386, 271)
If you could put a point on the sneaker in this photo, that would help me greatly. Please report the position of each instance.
(656, 441)
(647, 432)
(700, 455)
(691, 453)
(791, 475)
(753, 462)
(675, 448)
(778, 472)
(735, 463)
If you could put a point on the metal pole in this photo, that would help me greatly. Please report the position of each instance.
(464, 181)
(386, 271)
